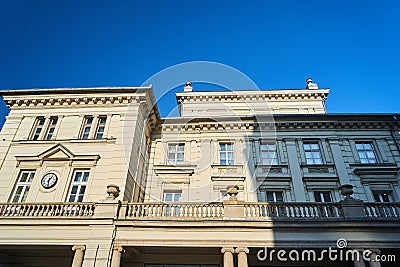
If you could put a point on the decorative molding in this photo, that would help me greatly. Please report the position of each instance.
(287, 125)
(57, 153)
(375, 168)
(270, 95)
(66, 100)
(172, 169)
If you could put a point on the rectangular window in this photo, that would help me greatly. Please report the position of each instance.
(226, 152)
(322, 196)
(87, 125)
(268, 154)
(176, 154)
(22, 187)
(223, 195)
(38, 128)
(78, 185)
(51, 128)
(366, 152)
(172, 196)
(274, 196)
(101, 125)
(383, 196)
(313, 153)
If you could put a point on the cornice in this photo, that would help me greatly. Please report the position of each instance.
(271, 95)
(65, 100)
(289, 125)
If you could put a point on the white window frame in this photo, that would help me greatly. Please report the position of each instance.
(172, 154)
(380, 193)
(26, 185)
(274, 195)
(38, 128)
(226, 152)
(101, 127)
(268, 151)
(223, 195)
(86, 125)
(173, 195)
(307, 147)
(363, 150)
(79, 184)
(322, 197)
(51, 128)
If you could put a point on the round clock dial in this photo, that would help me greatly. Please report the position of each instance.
(49, 180)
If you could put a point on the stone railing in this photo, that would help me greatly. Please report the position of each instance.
(47, 209)
(382, 210)
(292, 210)
(174, 210)
(228, 210)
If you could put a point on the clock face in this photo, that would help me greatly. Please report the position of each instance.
(49, 180)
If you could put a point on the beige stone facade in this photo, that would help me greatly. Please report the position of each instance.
(94, 177)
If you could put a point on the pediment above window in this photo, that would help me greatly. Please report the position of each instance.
(57, 153)
(376, 168)
(172, 169)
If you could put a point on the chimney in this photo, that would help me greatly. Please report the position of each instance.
(311, 85)
(188, 88)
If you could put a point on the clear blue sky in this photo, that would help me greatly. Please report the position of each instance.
(351, 47)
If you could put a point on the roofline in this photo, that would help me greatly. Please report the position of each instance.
(273, 91)
(39, 91)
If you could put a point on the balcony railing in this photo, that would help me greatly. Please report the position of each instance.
(198, 211)
(382, 210)
(175, 210)
(47, 209)
(293, 210)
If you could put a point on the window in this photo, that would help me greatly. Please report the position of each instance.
(38, 128)
(268, 154)
(86, 127)
(172, 210)
(226, 154)
(172, 196)
(101, 125)
(383, 196)
(274, 196)
(176, 154)
(366, 152)
(313, 153)
(52, 128)
(22, 187)
(223, 195)
(322, 196)
(78, 185)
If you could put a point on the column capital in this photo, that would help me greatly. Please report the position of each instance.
(79, 247)
(227, 249)
(242, 249)
(118, 248)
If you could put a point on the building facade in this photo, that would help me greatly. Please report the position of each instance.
(94, 177)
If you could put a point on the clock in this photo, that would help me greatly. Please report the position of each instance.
(49, 180)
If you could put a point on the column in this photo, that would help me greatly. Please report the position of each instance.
(294, 164)
(339, 161)
(116, 256)
(78, 256)
(242, 256)
(228, 256)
